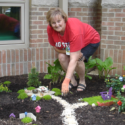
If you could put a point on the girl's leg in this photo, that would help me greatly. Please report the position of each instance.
(64, 62)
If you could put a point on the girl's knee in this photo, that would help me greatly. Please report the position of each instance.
(62, 57)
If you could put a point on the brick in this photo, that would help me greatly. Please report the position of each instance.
(33, 45)
(25, 68)
(33, 17)
(123, 47)
(38, 66)
(46, 40)
(120, 24)
(42, 26)
(37, 54)
(3, 56)
(104, 10)
(33, 55)
(114, 70)
(17, 55)
(71, 14)
(0, 70)
(114, 28)
(8, 56)
(25, 55)
(76, 9)
(17, 69)
(4, 69)
(33, 27)
(45, 31)
(119, 33)
(43, 9)
(33, 64)
(114, 10)
(107, 32)
(119, 56)
(33, 9)
(85, 9)
(119, 69)
(104, 19)
(103, 37)
(107, 14)
(45, 53)
(41, 66)
(41, 18)
(21, 68)
(123, 57)
(21, 55)
(104, 28)
(120, 15)
(52, 53)
(107, 41)
(29, 67)
(36, 31)
(122, 38)
(36, 13)
(123, 28)
(0, 57)
(106, 54)
(113, 47)
(45, 67)
(123, 19)
(13, 69)
(13, 56)
(41, 53)
(33, 36)
(119, 43)
(43, 36)
(36, 22)
(114, 19)
(29, 54)
(114, 37)
(103, 46)
(115, 57)
(8, 70)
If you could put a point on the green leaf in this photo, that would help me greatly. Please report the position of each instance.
(48, 76)
(108, 62)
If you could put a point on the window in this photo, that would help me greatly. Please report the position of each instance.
(14, 24)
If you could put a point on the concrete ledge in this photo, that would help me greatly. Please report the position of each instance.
(45, 3)
(113, 3)
(82, 3)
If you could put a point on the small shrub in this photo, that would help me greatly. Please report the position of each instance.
(7, 83)
(22, 96)
(47, 97)
(33, 78)
(37, 98)
(4, 88)
(57, 91)
(20, 91)
(26, 120)
(30, 88)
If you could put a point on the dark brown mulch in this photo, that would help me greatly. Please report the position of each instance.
(51, 110)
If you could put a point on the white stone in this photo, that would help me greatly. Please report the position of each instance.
(93, 105)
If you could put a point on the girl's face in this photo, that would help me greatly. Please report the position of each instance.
(58, 24)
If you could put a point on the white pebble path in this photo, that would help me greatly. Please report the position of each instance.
(68, 113)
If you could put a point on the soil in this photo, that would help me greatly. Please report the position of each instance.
(51, 110)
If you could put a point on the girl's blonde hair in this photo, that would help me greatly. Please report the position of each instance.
(53, 12)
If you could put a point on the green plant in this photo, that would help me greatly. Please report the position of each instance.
(37, 98)
(22, 96)
(7, 83)
(4, 88)
(104, 67)
(121, 102)
(26, 120)
(20, 91)
(47, 97)
(54, 72)
(33, 78)
(30, 88)
(57, 91)
(115, 83)
(88, 65)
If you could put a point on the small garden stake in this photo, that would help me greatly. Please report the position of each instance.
(38, 108)
(25, 114)
(33, 98)
(12, 116)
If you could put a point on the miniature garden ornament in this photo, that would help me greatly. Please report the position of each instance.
(12, 116)
(33, 97)
(121, 78)
(25, 114)
(38, 108)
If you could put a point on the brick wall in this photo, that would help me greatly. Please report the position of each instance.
(113, 37)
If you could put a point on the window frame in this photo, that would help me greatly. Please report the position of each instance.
(24, 41)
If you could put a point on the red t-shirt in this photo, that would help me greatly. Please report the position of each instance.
(77, 33)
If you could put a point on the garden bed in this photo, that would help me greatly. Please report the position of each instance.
(51, 110)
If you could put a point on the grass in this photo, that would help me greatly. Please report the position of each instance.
(96, 99)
